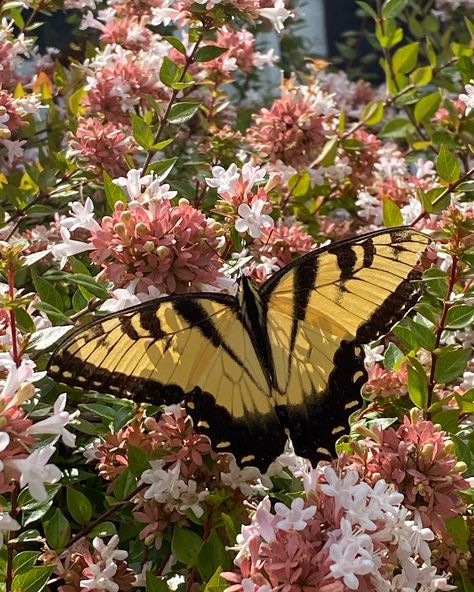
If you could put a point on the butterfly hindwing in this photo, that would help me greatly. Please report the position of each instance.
(320, 309)
(192, 348)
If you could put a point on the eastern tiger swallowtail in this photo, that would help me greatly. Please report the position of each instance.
(285, 358)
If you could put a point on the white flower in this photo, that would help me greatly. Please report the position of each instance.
(174, 582)
(224, 180)
(260, 60)
(123, 298)
(17, 387)
(189, 498)
(69, 247)
(425, 168)
(411, 211)
(164, 15)
(352, 554)
(4, 129)
(251, 175)
(372, 355)
(369, 207)
(248, 585)
(468, 98)
(340, 488)
(101, 578)
(296, 517)
(252, 220)
(108, 551)
(34, 472)
(163, 483)
(7, 524)
(57, 422)
(4, 442)
(133, 182)
(468, 381)
(268, 264)
(277, 15)
(248, 479)
(82, 216)
(14, 149)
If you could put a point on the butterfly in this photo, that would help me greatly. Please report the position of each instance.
(283, 359)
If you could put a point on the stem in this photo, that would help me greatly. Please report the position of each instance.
(440, 328)
(12, 312)
(205, 536)
(451, 187)
(10, 548)
(87, 529)
(172, 99)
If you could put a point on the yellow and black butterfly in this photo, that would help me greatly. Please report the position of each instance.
(282, 359)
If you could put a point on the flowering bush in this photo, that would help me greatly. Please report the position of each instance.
(135, 172)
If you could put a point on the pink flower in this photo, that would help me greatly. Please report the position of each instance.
(102, 146)
(130, 32)
(291, 131)
(170, 247)
(283, 242)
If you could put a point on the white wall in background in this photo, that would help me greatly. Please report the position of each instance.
(312, 13)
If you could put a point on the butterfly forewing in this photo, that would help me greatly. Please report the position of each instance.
(319, 311)
(192, 348)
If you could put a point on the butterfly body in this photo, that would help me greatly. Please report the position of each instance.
(282, 359)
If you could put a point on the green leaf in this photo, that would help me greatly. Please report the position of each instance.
(328, 153)
(53, 313)
(24, 561)
(448, 420)
(368, 9)
(417, 383)
(422, 76)
(424, 335)
(393, 357)
(169, 72)
(392, 215)
(460, 316)
(447, 165)
(57, 530)
(185, 546)
(459, 531)
(113, 192)
(372, 113)
(212, 556)
(33, 580)
(470, 27)
(104, 529)
(176, 43)
(451, 364)
(163, 168)
(397, 128)
(208, 53)
(299, 184)
(89, 283)
(104, 411)
(124, 484)
(427, 106)
(142, 132)
(436, 282)
(138, 460)
(181, 112)
(47, 292)
(79, 506)
(392, 8)
(405, 58)
(75, 101)
(155, 584)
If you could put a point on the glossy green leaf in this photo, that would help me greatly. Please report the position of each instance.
(24, 561)
(213, 555)
(392, 215)
(33, 580)
(393, 357)
(78, 506)
(113, 192)
(162, 168)
(124, 484)
(142, 132)
(405, 58)
(209, 52)
(155, 584)
(417, 383)
(47, 292)
(181, 112)
(186, 545)
(216, 582)
(138, 460)
(169, 72)
(393, 8)
(451, 364)
(90, 284)
(460, 316)
(57, 530)
(447, 165)
(427, 106)
(421, 76)
(372, 113)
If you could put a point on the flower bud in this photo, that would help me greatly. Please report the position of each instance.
(5, 133)
(125, 216)
(149, 246)
(460, 467)
(119, 229)
(162, 251)
(449, 447)
(183, 201)
(427, 452)
(141, 229)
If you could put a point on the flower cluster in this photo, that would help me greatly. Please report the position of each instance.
(345, 535)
